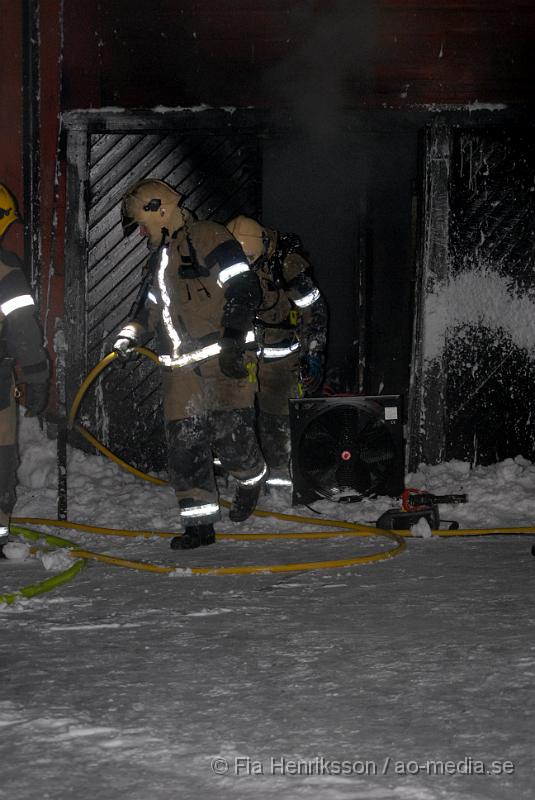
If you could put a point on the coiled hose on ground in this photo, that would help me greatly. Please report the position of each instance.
(345, 529)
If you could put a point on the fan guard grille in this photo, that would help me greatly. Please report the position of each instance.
(346, 452)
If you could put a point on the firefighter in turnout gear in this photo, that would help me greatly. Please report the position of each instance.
(20, 344)
(198, 295)
(291, 329)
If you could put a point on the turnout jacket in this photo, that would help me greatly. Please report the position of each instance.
(292, 315)
(197, 289)
(20, 335)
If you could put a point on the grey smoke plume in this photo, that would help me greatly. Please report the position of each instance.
(317, 169)
(331, 69)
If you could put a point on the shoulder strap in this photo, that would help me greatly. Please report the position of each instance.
(195, 269)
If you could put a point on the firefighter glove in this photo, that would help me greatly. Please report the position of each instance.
(231, 355)
(36, 398)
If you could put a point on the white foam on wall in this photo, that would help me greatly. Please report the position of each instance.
(479, 297)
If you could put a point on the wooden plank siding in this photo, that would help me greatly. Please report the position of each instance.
(233, 52)
(11, 116)
(456, 53)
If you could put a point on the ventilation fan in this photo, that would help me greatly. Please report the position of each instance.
(346, 448)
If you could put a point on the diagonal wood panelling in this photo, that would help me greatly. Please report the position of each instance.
(474, 365)
(489, 358)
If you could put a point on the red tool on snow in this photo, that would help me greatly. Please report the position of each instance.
(416, 499)
(415, 505)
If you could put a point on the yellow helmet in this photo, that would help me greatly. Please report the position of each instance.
(8, 209)
(146, 203)
(251, 235)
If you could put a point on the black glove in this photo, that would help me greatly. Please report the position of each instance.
(36, 398)
(231, 355)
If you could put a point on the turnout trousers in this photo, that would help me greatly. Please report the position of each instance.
(8, 448)
(278, 381)
(208, 415)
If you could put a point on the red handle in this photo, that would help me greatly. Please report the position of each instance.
(405, 501)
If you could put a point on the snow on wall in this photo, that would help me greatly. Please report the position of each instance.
(478, 297)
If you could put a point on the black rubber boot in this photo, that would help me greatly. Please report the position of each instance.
(244, 502)
(194, 536)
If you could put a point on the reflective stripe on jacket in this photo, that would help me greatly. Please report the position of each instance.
(20, 334)
(201, 285)
(293, 314)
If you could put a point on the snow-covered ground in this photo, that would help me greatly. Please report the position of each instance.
(403, 679)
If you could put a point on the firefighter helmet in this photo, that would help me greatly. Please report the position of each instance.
(251, 235)
(147, 203)
(8, 209)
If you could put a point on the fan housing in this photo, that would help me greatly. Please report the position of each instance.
(346, 448)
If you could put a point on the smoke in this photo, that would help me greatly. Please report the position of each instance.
(316, 166)
(331, 69)
(318, 85)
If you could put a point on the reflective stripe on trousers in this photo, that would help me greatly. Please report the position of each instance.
(255, 479)
(270, 352)
(198, 513)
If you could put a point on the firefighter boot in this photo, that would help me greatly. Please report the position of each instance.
(4, 538)
(244, 502)
(194, 536)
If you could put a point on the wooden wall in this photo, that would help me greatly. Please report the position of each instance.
(11, 117)
(369, 53)
(309, 57)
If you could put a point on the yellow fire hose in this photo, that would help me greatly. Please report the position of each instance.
(370, 529)
(49, 583)
(71, 420)
(345, 529)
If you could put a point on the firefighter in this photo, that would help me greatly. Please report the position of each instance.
(198, 295)
(21, 344)
(291, 328)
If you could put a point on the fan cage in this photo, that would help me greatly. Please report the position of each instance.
(344, 451)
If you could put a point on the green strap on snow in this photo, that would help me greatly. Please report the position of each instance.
(49, 583)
